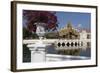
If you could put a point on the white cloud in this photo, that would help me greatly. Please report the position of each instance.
(79, 25)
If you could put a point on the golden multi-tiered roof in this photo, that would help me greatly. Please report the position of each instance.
(69, 32)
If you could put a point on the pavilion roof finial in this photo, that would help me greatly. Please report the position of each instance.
(69, 25)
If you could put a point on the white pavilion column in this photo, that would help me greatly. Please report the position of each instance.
(38, 54)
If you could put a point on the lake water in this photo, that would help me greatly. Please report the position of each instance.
(86, 53)
(52, 50)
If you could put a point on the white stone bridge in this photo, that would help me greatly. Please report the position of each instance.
(62, 43)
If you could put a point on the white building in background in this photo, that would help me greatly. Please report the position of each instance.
(85, 36)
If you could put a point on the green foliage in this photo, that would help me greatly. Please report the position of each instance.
(34, 36)
(28, 35)
(52, 35)
(26, 54)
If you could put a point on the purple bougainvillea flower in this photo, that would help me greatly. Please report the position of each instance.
(47, 17)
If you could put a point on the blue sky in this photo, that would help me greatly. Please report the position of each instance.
(77, 19)
(82, 20)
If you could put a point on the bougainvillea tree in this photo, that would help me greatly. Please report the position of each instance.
(47, 17)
